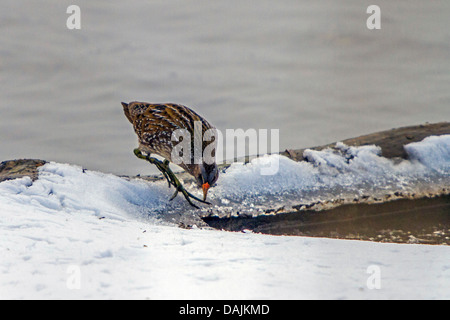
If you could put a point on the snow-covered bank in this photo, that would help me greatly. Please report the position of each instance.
(75, 233)
(75, 254)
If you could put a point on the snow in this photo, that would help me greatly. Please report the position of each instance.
(342, 172)
(79, 234)
(434, 152)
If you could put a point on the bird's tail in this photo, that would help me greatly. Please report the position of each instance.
(126, 110)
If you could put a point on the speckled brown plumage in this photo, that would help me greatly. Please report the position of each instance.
(154, 125)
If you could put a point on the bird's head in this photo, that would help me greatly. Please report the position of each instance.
(207, 175)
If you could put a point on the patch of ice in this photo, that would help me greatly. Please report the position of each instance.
(343, 172)
(433, 152)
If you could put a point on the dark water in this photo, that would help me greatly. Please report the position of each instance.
(311, 69)
(424, 221)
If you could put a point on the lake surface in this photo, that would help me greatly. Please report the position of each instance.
(311, 69)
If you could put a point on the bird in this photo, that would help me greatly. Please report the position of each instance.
(155, 125)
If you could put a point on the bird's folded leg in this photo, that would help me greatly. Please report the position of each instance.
(179, 188)
(162, 166)
(187, 196)
(171, 178)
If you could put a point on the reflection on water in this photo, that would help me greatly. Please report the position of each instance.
(424, 221)
(313, 70)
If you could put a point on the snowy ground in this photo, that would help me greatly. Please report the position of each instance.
(88, 235)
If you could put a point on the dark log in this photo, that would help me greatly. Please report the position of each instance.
(14, 169)
(390, 141)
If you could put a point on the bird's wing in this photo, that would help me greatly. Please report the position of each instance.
(155, 123)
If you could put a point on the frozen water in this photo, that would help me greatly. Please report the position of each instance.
(342, 172)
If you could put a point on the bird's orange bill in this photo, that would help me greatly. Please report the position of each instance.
(205, 188)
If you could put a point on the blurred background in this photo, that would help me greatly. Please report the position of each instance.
(309, 68)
